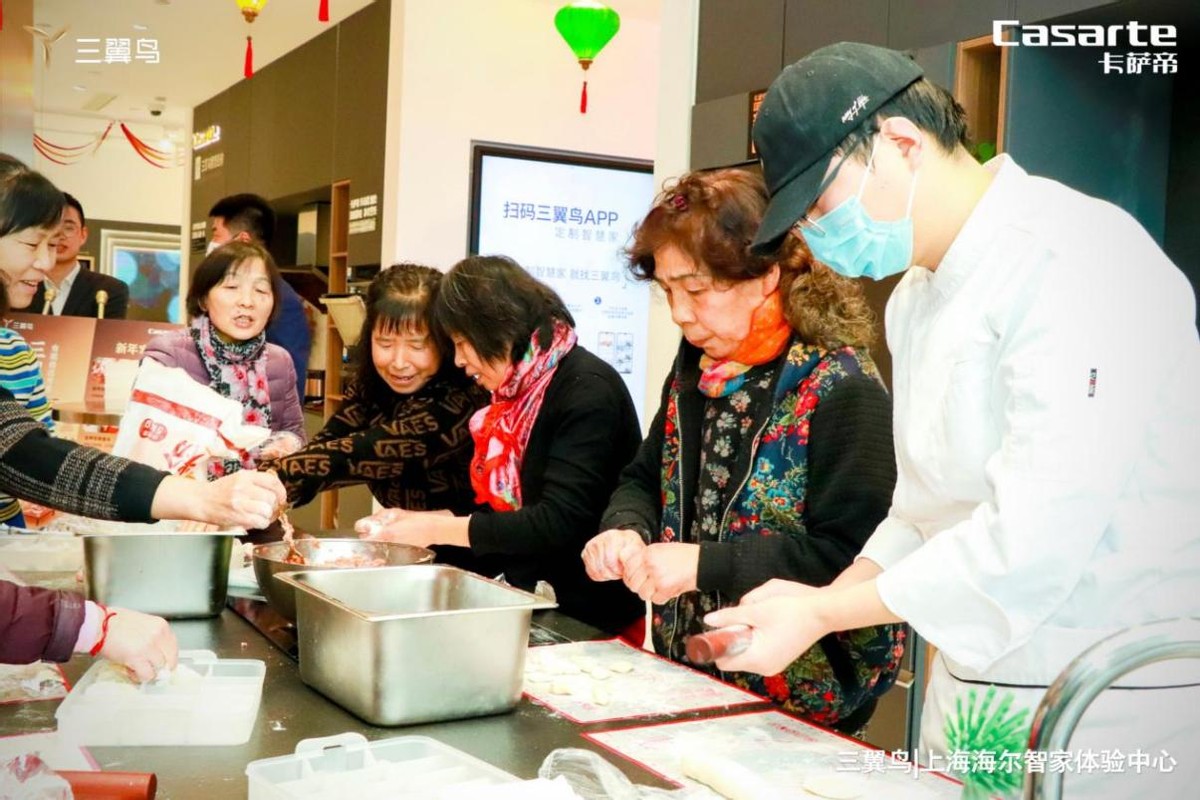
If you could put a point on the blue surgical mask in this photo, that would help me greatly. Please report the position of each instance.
(853, 244)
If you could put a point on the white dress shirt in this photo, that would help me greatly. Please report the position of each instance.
(1047, 426)
(62, 290)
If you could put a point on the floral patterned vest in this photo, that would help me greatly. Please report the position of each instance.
(843, 671)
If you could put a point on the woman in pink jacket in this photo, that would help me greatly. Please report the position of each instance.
(231, 301)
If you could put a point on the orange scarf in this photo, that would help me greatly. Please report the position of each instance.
(769, 335)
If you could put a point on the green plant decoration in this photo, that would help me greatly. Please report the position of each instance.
(587, 26)
(984, 734)
(984, 152)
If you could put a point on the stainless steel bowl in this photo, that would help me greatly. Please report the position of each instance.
(319, 553)
(174, 575)
(403, 645)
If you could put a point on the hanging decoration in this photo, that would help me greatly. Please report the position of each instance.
(151, 155)
(587, 26)
(323, 11)
(250, 10)
(66, 155)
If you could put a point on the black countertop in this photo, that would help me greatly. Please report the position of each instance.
(516, 742)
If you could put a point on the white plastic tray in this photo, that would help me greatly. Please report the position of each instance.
(217, 709)
(346, 765)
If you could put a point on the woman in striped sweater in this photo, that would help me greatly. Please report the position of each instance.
(21, 375)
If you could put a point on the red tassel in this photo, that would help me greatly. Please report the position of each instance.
(323, 12)
(583, 99)
(248, 70)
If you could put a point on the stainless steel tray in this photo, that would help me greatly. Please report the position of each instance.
(174, 575)
(402, 645)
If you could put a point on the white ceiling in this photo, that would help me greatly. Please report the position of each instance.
(201, 45)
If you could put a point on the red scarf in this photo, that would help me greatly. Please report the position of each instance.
(769, 334)
(501, 430)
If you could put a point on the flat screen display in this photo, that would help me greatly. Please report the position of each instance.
(566, 218)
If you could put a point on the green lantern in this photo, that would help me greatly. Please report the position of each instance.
(587, 26)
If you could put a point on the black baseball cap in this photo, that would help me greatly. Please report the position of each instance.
(809, 110)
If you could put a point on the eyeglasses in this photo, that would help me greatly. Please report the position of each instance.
(807, 223)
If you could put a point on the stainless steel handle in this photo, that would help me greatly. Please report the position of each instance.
(1094, 670)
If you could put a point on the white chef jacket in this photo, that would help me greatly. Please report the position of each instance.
(1046, 385)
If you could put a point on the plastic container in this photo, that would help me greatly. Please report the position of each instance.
(337, 767)
(22, 551)
(219, 708)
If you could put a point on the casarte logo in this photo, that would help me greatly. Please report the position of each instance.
(1132, 33)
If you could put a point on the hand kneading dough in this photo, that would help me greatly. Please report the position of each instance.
(726, 777)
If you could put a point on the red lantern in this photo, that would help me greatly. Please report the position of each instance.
(250, 10)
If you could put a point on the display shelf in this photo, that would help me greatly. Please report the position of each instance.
(981, 86)
(339, 259)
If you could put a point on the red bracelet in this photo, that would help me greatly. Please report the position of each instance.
(99, 645)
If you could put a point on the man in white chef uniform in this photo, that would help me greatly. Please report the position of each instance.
(1046, 375)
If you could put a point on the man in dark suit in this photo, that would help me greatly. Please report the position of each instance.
(78, 291)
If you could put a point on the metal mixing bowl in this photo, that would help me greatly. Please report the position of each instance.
(269, 561)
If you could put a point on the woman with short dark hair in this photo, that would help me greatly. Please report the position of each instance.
(402, 429)
(231, 300)
(548, 449)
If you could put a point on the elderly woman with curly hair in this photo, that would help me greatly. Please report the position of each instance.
(771, 454)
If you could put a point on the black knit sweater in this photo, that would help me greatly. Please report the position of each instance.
(851, 473)
(67, 476)
(586, 431)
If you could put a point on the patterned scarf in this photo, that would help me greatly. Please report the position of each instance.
(502, 429)
(237, 370)
(769, 333)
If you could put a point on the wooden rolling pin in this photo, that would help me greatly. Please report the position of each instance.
(112, 785)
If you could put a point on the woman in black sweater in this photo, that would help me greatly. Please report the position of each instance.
(402, 429)
(547, 451)
(771, 455)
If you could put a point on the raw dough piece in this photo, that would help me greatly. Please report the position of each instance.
(834, 787)
(726, 777)
(560, 687)
(537, 677)
(599, 673)
(620, 667)
(600, 695)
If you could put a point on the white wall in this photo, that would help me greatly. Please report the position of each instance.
(678, 43)
(115, 183)
(464, 70)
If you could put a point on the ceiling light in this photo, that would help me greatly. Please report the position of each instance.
(139, 27)
(79, 87)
